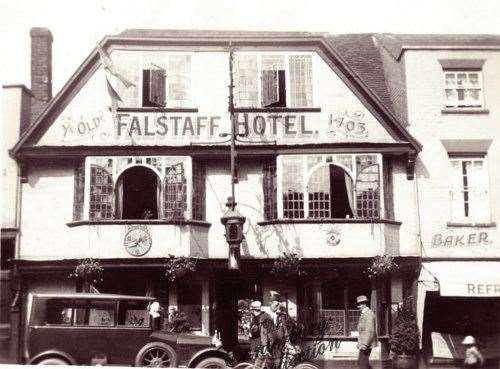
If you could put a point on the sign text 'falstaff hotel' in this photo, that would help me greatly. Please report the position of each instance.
(177, 128)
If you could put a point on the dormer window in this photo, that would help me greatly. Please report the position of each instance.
(273, 80)
(166, 81)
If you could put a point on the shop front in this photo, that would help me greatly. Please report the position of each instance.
(457, 299)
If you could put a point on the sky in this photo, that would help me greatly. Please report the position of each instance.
(77, 25)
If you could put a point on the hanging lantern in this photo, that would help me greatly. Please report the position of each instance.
(233, 222)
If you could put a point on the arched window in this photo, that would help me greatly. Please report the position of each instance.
(138, 194)
(330, 193)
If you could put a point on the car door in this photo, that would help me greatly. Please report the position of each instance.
(132, 330)
(93, 325)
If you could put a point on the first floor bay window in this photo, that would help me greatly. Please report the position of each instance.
(322, 186)
(136, 188)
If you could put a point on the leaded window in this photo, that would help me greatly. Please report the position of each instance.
(175, 192)
(269, 188)
(463, 89)
(285, 80)
(198, 190)
(79, 194)
(101, 193)
(330, 186)
(131, 187)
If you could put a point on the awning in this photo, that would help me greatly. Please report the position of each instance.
(463, 278)
(459, 279)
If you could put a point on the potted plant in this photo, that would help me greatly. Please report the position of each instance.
(287, 266)
(89, 272)
(178, 267)
(404, 339)
(381, 267)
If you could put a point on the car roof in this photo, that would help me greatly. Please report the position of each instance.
(103, 296)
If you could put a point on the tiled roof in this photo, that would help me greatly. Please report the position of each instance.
(167, 33)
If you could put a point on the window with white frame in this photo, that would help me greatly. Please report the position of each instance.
(273, 80)
(469, 189)
(463, 88)
(150, 187)
(329, 186)
(166, 80)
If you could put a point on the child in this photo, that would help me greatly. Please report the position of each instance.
(473, 358)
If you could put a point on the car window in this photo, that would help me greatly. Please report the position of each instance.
(80, 314)
(101, 313)
(58, 312)
(133, 313)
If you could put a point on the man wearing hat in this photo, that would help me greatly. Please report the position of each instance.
(367, 338)
(473, 358)
(260, 330)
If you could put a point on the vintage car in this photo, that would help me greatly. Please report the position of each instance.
(90, 329)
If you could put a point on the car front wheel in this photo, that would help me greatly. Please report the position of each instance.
(212, 362)
(156, 354)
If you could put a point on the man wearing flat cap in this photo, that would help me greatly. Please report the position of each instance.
(260, 330)
(367, 338)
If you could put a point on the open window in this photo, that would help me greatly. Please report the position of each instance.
(138, 188)
(138, 194)
(153, 86)
(328, 186)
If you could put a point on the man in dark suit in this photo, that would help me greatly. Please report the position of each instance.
(367, 330)
(261, 328)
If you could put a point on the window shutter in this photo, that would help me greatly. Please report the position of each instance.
(175, 192)
(368, 192)
(101, 193)
(157, 86)
(269, 188)
(479, 198)
(456, 192)
(78, 196)
(270, 88)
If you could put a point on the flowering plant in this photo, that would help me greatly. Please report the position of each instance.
(176, 267)
(381, 266)
(404, 338)
(89, 271)
(287, 265)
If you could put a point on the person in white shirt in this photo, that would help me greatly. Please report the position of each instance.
(154, 311)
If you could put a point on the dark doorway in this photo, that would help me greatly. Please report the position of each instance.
(138, 189)
(341, 193)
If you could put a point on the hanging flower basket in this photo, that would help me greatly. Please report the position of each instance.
(178, 267)
(287, 266)
(89, 271)
(381, 267)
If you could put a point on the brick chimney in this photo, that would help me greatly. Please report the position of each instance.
(41, 69)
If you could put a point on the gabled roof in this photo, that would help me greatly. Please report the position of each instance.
(357, 56)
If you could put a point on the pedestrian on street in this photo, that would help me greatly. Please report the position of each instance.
(260, 330)
(154, 310)
(473, 357)
(367, 338)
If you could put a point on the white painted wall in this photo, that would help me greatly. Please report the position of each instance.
(425, 89)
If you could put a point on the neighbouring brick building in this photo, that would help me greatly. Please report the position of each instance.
(328, 165)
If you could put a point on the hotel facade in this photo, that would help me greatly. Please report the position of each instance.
(129, 164)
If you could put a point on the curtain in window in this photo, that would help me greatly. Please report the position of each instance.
(349, 190)
(301, 80)
(119, 199)
(158, 199)
(318, 192)
(198, 193)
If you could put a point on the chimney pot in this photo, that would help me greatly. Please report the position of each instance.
(41, 69)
